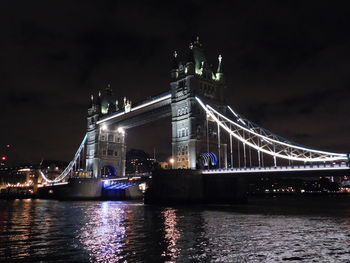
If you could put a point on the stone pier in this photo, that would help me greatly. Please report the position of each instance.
(185, 186)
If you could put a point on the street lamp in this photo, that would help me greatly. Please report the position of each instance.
(172, 161)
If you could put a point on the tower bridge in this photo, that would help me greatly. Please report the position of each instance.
(207, 134)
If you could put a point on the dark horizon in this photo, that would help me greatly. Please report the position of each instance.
(286, 66)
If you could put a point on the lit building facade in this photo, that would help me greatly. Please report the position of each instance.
(105, 146)
(192, 134)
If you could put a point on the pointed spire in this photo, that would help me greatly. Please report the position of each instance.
(116, 105)
(175, 63)
(190, 57)
(197, 43)
(219, 71)
(91, 101)
(98, 99)
(198, 55)
(108, 90)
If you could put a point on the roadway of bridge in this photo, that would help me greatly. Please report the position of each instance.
(303, 170)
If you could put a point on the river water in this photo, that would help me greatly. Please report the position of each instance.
(110, 231)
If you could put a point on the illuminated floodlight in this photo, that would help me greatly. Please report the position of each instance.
(172, 161)
(104, 127)
(121, 130)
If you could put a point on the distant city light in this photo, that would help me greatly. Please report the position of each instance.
(171, 160)
(3, 158)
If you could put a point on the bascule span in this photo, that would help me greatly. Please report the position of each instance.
(95, 189)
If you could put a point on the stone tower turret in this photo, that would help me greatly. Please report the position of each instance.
(192, 134)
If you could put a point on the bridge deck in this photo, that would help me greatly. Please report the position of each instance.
(292, 168)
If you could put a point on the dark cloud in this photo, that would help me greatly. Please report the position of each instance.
(286, 65)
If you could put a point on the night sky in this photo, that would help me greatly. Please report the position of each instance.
(286, 65)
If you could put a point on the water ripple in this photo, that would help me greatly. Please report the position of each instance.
(53, 231)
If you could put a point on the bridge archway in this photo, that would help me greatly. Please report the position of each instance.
(108, 171)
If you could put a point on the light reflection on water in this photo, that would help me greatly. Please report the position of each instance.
(53, 231)
(103, 233)
(172, 234)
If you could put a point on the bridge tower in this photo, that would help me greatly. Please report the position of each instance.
(193, 135)
(105, 154)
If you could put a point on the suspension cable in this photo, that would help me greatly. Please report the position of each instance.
(282, 153)
(70, 166)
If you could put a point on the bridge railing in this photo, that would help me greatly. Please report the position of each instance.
(325, 166)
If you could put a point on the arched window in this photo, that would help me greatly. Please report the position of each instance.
(110, 137)
(110, 152)
(104, 151)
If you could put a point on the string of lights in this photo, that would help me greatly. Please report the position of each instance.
(269, 144)
(69, 168)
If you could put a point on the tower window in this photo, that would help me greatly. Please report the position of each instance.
(110, 138)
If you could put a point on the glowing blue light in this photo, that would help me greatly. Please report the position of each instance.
(214, 159)
(209, 158)
(106, 183)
